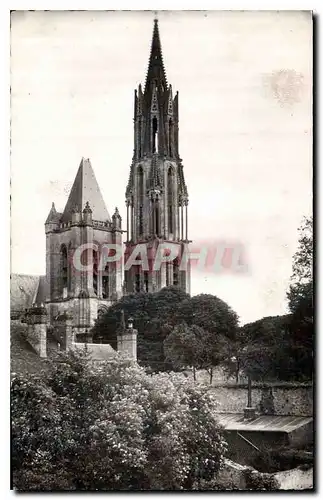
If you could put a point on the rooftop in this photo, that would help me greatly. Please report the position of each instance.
(263, 423)
(86, 189)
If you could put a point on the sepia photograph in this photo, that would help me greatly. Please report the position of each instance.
(161, 250)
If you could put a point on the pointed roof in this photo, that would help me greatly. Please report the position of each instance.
(86, 189)
(156, 69)
(53, 215)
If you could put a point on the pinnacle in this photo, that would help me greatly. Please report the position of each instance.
(156, 70)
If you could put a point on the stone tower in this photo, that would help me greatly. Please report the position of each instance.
(80, 280)
(156, 195)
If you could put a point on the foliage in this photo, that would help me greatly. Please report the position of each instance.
(262, 348)
(274, 348)
(275, 460)
(281, 347)
(111, 427)
(156, 315)
(191, 346)
(183, 347)
(300, 296)
(301, 286)
(263, 482)
(210, 313)
(153, 315)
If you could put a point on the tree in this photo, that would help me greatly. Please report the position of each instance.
(153, 315)
(272, 348)
(157, 314)
(301, 287)
(184, 347)
(111, 427)
(300, 296)
(210, 313)
(193, 347)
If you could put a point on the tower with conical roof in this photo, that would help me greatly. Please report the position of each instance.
(80, 277)
(156, 194)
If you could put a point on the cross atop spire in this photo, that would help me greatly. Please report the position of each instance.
(156, 72)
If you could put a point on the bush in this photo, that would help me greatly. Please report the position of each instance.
(274, 460)
(111, 427)
(255, 481)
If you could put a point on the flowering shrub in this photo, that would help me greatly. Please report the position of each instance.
(111, 427)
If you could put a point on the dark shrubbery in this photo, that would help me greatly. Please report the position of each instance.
(111, 427)
(260, 482)
(275, 460)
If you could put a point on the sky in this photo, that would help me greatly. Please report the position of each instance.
(245, 130)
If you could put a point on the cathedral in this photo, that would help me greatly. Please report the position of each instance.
(157, 212)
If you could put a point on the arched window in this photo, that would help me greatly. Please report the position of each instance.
(170, 137)
(95, 272)
(139, 137)
(155, 135)
(64, 271)
(141, 198)
(69, 267)
(156, 221)
(170, 194)
(167, 274)
(106, 282)
(176, 272)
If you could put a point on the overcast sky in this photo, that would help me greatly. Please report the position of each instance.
(244, 81)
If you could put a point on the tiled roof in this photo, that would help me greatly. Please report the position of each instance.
(23, 288)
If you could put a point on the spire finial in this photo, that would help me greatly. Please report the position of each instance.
(87, 208)
(156, 72)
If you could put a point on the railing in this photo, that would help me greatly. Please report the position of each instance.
(98, 223)
(95, 223)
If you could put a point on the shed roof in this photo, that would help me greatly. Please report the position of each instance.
(263, 423)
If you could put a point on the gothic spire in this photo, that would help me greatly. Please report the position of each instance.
(156, 71)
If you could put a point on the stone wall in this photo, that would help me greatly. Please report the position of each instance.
(36, 319)
(232, 477)
(97, 352)
(273, 399)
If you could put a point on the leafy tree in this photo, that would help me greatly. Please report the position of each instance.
(156, 315)
(210, 313)
(184, 347)
(153, 315)
(193, 347)
(301, 286)
(281, 347)
(111, 427)
(300, 296)
(272, 348)
(263, 348)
